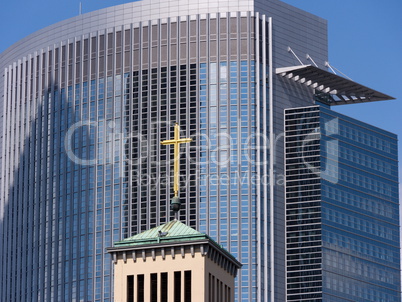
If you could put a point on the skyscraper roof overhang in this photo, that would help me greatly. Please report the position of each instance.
(331, 88)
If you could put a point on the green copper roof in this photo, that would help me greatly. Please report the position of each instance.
(172, 231)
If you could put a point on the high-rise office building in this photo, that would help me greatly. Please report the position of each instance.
(341, 208)
(85, 104)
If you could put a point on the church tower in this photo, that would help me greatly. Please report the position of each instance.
(172, 263)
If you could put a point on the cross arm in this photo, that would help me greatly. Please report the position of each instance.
(175, 141)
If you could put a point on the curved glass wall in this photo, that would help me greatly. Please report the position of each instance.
(83, 163)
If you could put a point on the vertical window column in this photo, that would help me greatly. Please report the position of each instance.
(140, 288)
(164, 287)
(187, 286)
(177, 286)
(154, 287)
(130, 288)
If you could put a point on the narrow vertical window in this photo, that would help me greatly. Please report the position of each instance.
(130, 288)
(229, 299)
(154, 287)
(213, 289)
(187, 286)
(177, 286)
(210, 287)
(218, 290)
(164, 287)
(140, 288)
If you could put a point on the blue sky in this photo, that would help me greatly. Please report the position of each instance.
(365, 43)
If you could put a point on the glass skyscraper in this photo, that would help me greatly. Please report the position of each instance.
(87, 101)
(341, 208)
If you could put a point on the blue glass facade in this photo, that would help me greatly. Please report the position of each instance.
(343, 208)
(102, 105)
(80, 199)
(87, 103)
(360, 217)
(228, 197)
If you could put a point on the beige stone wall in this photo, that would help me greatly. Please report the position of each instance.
(169, 265)
(200, 266)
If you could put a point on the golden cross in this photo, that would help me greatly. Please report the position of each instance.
(176, 142)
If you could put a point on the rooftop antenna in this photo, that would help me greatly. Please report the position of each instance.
(291, 50)
(311, 59)
(80, 9)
